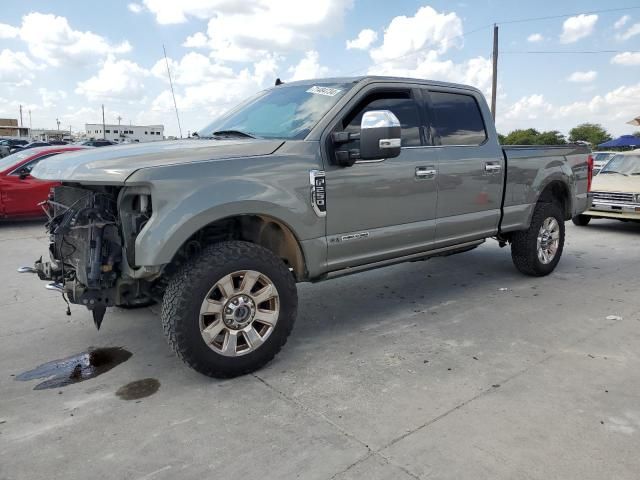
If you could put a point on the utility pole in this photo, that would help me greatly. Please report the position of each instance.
(172, 93)
(20, 115)
(494, 83)
(119, 120)
(104, 133)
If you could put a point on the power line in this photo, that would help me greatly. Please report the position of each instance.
(564, 15)
(566, 51)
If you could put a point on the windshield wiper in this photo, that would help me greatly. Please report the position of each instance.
(232, 133)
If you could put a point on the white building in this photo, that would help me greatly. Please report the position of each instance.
(125, 133)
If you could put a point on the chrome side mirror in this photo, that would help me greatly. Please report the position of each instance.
(380, 135)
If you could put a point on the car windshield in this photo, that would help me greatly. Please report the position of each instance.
(623, 165)
(287, 112)
(603, 157)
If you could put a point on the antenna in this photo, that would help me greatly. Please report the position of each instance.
(175, 105)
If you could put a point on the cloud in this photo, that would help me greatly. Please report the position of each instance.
(8, 31)
(197, 40)
(535, 38)
(192, 69)
(51, 39)
(632, 31)
(426, 30)
(476, 71)
(246, 31)
(308, 67)
(363, 41)
(583, 77)
(627, 59)
(276, 26)
(578, 27)
(16, 68)
(51, 98)
(621, 22)
(216, 92)
(612, 110)
(170, 12)
(116, 79)
(135, 7)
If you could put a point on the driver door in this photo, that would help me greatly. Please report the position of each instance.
(381, 209)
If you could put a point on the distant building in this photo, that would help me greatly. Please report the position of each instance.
(46, 134)
(9, 128)
(125, 133)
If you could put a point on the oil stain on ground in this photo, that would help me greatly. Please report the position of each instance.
(76, 368)
(138, 389)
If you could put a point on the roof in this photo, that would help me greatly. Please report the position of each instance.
(379, 78)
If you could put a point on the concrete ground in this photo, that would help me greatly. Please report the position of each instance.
(455, 368)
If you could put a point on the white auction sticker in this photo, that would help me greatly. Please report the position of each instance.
(329, 92)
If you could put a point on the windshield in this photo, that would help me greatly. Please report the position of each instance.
(623, 164)
(603, 157)
(287, 112)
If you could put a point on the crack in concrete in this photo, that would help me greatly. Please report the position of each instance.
(378, 452)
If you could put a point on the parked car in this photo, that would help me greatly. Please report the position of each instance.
(57, 142)
(98, 143)
(600, 159)
(29, 145)
(20, 193)
(307, 181)
(8, 143)
(616, 190)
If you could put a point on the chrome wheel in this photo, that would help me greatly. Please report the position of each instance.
(239, 313)
(548, 240)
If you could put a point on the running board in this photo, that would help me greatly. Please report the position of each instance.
(438, 252)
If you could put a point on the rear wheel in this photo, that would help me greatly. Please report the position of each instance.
(229, 310)
(537, 250)
(581, 220)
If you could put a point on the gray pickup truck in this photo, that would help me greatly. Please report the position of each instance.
(306, 181)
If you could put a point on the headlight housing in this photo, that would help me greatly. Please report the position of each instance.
(636, 198)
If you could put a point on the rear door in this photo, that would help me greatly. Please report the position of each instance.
(470, 166)
(381, 209)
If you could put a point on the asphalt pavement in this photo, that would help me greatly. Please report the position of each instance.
(453, 368)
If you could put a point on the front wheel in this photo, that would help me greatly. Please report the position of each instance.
(581, 220)
(537, 250)
(229, 310)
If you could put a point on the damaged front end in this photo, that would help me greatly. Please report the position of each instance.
(90, 245)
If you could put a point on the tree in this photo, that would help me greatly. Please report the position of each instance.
(636, 133)
(531, 136)
(593, 133)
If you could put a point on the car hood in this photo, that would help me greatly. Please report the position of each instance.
(113, 165)
(612, 182)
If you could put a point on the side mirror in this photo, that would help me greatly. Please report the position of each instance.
(380, 135)
(24, 173)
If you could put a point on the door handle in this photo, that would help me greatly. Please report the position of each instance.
(492, 167)
(426, 172)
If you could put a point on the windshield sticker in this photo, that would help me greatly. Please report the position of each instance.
(327, 91)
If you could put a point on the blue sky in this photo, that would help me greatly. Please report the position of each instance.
(64, 59)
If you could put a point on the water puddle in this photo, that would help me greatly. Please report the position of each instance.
(138, 389)
(76, 368)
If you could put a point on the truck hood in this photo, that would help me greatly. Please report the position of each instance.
(612, 182)
(114, 164)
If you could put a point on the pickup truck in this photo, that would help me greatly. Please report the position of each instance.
(306, 181)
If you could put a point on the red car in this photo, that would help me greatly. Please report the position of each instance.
(20, 193)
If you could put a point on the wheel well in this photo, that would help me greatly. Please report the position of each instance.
(262, 230)
(557, 192)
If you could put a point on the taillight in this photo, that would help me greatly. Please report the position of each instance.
(589, 172)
